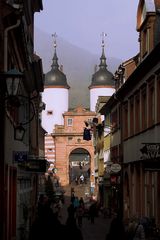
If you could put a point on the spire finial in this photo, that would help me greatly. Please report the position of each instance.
(55, 58)
(103, 58)
(103, 35)
(54, 40)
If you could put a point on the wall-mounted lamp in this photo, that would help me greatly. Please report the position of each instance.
(13, 78)
(13, 99)
(19, 132)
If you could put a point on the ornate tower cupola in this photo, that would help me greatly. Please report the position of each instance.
(102, 80)
(55, 95)
(55, 77)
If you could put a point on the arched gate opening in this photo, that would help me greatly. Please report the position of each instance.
(79, 164)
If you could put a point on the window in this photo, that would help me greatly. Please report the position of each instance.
(114, 154)
(49, 112)
(69, 122)
(114, 120)
(50, 150)
(144, 108)
(158, 98)
(79, 140)
(70, 139)
(125, 120)
(151, 103)
(145, 41)
(131, 116)
(137, 113)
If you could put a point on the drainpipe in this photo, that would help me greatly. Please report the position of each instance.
(3, 169)
(6, 43)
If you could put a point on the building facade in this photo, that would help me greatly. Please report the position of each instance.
(65, 126)
(19, 114)
(70, 145)
(134, 116)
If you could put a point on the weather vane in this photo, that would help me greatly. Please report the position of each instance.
(54, 41)
(103, 35)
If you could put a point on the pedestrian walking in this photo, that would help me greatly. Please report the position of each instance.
(46, 221)
(76, 180)
(135, 230)
(117, 230)
(81, 178)
(79, 214)
(72, 230)
(71, 210)
(81, 201)
(76, 202)
(92, 212)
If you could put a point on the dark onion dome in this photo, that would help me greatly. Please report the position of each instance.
(55, 77)
(102, 77)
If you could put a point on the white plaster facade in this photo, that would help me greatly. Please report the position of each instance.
(99, 91)
(56, 100)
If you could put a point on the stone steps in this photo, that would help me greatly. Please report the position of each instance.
(80, 190)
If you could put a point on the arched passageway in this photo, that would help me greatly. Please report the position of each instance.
(79, 164)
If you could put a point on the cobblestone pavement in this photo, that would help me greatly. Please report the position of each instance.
(96, 231)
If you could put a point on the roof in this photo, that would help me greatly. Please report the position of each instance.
(102, 77)
(55, 77)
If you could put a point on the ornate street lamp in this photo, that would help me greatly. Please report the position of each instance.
(13, 79)
(19, 132)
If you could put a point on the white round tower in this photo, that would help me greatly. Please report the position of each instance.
(55, 96)
(102, 81)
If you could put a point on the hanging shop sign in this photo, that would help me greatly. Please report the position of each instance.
(150, 151)
(113, 179)
(115, 167)
(36, 165)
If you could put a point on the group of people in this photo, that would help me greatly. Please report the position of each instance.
(134, 230)
(48, 222)
(81, 179)
(78, 208)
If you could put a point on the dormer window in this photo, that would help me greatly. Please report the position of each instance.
(145, 42)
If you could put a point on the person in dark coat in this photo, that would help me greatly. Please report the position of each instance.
(92, 212)
(72, 231)
(117, 230)
(46, 225)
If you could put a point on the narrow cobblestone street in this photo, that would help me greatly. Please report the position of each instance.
(96, 231)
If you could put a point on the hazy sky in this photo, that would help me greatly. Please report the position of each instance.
(81, 22)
